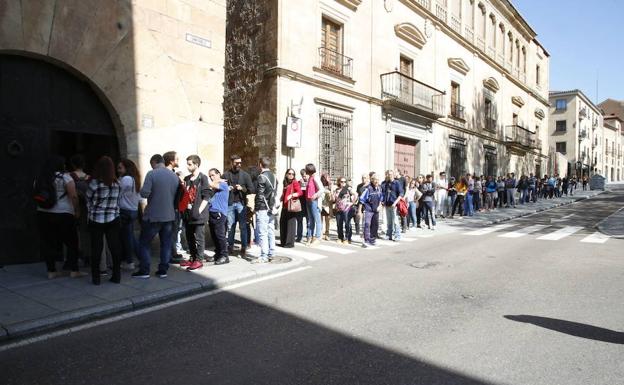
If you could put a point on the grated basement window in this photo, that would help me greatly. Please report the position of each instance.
(335, 155)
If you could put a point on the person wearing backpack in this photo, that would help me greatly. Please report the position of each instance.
(103, 205)
(266, 186)
(196, 214)
(344, 198)
(371, 200)
(57, 211)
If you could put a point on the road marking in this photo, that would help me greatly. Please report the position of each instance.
(596, 237)
(561, 233)
(136, 313)
(523, 232)
(304, 254)
(488, 230)
(332, 249)
(384, 242)
(406, 239)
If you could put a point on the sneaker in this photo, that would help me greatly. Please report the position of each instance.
(326, 237)
(128, 266)
(260, 260)
(339, 241)
(222, 261)
(176, 259)
(103, 273)
(314, 242)
(364, 245)
(139, 274)
(161, 274)
(196, 264)
(186, 263)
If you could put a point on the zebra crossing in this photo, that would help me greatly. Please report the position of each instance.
(543, 232)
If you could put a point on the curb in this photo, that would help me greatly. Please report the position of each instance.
(10, 333)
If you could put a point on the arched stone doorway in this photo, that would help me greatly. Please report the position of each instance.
(44, 109)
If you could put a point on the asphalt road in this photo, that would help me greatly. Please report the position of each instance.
(464, 307)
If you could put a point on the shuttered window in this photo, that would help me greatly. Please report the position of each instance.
(335, 145)
(331, 46)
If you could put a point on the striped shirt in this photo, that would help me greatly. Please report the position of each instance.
(103, 201)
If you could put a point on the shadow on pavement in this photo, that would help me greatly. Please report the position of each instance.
(572, 328)
(223, 339)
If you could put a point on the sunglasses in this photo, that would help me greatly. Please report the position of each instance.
(290, 173)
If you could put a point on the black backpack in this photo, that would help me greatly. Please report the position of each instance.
(45, 192)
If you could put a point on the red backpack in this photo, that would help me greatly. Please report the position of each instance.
(402, 207)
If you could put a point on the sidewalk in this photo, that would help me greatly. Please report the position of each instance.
(30, 303)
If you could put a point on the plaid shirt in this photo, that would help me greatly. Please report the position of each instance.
(103, 201)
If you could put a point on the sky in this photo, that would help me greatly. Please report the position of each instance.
(585, 40)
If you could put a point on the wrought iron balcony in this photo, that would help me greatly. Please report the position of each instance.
(457, 111)
(335, 62)
(583, 134)
(490, 124)
(406, 91)
(519, 136)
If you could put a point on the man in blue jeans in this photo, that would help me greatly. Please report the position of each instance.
(160, 188)
(266, 186)
(240, 185)
(218, 216)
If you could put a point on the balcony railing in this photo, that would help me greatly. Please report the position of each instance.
(396, 87)
(583, 134)
(457, 111)
(441, 12)
(481, 43)
(491, 52)
(500, 58)
(518, 135)
(456, 24)
(335, 62)
(469, 34)
(425, 3)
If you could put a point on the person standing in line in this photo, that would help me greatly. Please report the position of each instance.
(240, 185)
(428, 202)
(452, 193)
(476, 194)
(500, 191)
(420, 180)
(172, 162)
(327, 205)
(288, 218)
(412, 196)
(81, 180)
(218, 216)
(510, 190)
(130, 183)
(359, 207)
(371, 199)
(160, 188)
(103, 196)
(532, 188)
(585, 181)
(491, 193)
(403, 182)
(523, 188)
(57, 212)
(468, 202)
(195, 216)
(314, 195)
(441, 195)
(461, 187)
(303, 182)
(344, 198)
(391, 194)
(266, 186)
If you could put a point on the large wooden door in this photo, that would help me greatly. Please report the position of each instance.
(43, 110)
(405, 156)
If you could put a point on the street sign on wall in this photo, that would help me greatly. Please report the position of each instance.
(293, 132)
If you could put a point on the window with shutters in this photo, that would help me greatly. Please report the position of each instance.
(457, 110)
(331, 51)
(406, 67)
(335, 156)
(490, 116)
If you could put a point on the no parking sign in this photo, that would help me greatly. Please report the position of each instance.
(293, 132)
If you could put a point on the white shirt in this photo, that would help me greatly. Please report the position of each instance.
(63, 203)
(129, 199)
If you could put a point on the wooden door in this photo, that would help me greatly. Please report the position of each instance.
(406, 67)
(331, 46)
(405, 156)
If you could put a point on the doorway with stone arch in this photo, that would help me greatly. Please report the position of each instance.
(45, 109)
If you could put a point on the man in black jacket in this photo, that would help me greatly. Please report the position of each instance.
(240, 185)
(266, 188)
(196, 214)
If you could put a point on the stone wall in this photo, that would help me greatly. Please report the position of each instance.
(250, 96)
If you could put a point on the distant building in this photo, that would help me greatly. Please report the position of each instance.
(575, 130)
(416, 85)
(614, 138)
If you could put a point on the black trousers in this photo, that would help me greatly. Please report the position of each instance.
(218, 232)
(112, 232)
(459, 202)
(301, 215)
(288, 227)
(195, 237)
(56, 230)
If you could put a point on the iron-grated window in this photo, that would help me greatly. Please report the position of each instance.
(335, 145)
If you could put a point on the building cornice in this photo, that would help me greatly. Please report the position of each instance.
(411, 34)
(351, 4)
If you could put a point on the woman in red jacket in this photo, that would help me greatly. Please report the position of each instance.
(291, 207)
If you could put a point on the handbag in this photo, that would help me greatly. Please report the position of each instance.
(294, 205)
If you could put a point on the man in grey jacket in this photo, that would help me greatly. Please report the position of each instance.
(160, 188)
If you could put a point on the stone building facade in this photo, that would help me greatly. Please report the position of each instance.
(357, 85)
(614, 138)
(124, 78)
(576, 131)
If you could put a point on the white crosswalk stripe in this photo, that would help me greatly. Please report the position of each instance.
(596, 237)
(490, 229)
(560, 234)
(522, 232)
(383, 242)
(308, 255)
(333, 249)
